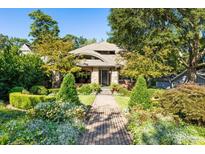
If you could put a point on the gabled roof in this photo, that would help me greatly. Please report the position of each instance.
(101, 46)
(25, 47)
(103, 59)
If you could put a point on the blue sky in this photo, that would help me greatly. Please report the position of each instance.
(89, 23)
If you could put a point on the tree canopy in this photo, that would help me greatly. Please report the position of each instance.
(169, 40)
(6, 41)
(19, 70)
(42, 25)
(78, 41)
(53, 49)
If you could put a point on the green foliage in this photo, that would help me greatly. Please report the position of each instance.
(13, 41)
(39, 90)
(59, 112)
(153, 127)
(124, 91)
(186, 101)
(42, 25)
(114, 87)
(16, 89)
(62, 61)
(7, 114)
(28, 131)
(68, 92)
(85, 89)
(96, 88)
(161, 40)
(140, 94)
(48, 44)
(24, 101)
(19, 70)
(53, 91)
(78, 41)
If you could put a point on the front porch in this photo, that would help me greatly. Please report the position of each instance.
(103, 76)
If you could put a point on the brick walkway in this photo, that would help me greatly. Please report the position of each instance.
(106, 125)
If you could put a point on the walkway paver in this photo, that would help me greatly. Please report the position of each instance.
(106, 125)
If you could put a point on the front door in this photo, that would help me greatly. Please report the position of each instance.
(104, 77)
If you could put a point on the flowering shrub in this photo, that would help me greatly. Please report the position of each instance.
(59, 112)
(38, 131)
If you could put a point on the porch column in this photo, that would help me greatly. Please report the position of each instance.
(95, 76)
(115, 77)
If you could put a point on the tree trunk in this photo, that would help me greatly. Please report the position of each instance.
(191, 74)
(191, 70)
(56, 79)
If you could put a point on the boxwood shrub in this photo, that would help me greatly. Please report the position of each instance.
(39, 90)
(25, 101)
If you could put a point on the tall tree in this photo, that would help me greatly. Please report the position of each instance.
(168, 38)
(42, 25)
(78, 41)
(57, 58)
(48, 45)
(5, 41)
(19, 70)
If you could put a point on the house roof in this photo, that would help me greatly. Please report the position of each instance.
(25, 48)
(102, 59)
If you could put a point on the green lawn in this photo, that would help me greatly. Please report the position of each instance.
(87, 99)
(122, 101)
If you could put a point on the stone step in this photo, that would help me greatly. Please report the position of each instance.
(105, 91)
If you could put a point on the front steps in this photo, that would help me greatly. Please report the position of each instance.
(105, 91)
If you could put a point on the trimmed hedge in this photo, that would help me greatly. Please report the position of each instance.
(140, 94)
(24, 101)
(68, 92)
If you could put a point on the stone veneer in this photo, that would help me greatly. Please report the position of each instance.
(95, 75)
(115, 77)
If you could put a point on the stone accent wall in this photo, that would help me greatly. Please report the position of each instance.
(95, 75)
(115, 77)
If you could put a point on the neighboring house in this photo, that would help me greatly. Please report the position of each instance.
(25, 49)
(100, 63)
(174, 80)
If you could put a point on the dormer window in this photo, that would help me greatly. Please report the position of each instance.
(105, 52)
